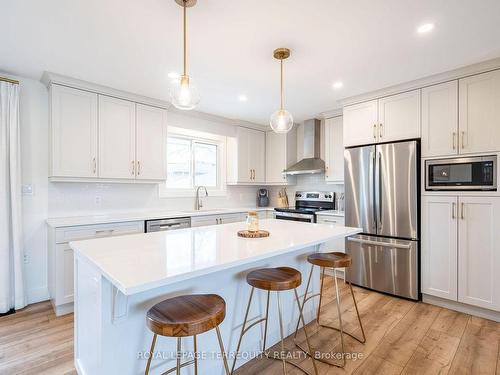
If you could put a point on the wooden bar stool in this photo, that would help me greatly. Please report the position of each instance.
(331, 260)
(274, 280)
(185, 316)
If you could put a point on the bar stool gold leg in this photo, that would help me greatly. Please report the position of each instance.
(357, 313)
(242, 329)
(222, 350)
(151, 352)
(321, 293)
(337, 299)
(267, 318)
(195, 355)
(179, 348)
(301, 318)
(281, 334)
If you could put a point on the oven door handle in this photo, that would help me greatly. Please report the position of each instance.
(292, 214)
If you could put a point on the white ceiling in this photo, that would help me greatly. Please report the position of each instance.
(133, 44)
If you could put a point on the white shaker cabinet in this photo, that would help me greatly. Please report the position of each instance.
(391, 118)
(479, 252)
(479, 112)
(461, 249)
(116, 138)
(440, 119)
(360, 123)
(73, 119)
(246, 157)
(334, 150)
(151, 140)
(399, 116)
(257, 156)
(281, 153)
(439, 246)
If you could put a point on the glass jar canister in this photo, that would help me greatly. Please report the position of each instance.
(253, 222)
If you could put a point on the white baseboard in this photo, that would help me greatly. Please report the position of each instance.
(462, 307)
(36, 295)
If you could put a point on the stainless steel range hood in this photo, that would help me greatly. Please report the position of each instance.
(311, 163)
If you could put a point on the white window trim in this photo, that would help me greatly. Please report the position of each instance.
(220, 190)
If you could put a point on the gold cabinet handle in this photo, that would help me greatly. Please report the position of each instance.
(374, 131)
(381, 131)
(132, 172)
(94, 165)
(453, 210)
(454, 139)
(463, 140)
(138, 168)
(462, 215)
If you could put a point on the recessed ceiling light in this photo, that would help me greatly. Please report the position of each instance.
(242, 98)
(174, 75)
(425, 28)
(338, 85)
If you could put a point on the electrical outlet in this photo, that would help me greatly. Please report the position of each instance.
(25, 258)
(98, 200)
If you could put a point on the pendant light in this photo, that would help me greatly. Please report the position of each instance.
(183, 93)
(281, 120)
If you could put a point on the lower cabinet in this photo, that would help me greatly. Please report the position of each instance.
(461, 249)
(334, 245)
(201, 221)
(60, 265)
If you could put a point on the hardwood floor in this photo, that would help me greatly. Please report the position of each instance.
(403, 337)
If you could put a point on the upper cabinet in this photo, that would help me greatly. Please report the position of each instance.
(462, 117)
(479, 113)
(281, 153)
(391, 118)
(246, 157)
(360, 123)
(99, 137)
(334, 150)
(116, 138)
(73, 136)
(151, 133)
(440, 119)
(399, 117)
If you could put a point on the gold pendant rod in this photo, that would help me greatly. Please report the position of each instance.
(185, 39)
(13, 81)
(281, 85)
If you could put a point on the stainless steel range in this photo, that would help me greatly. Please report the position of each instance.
(307, 203)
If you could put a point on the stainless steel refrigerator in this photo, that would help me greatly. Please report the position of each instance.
(381, 196)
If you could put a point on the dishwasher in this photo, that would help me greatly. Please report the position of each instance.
(167, 224)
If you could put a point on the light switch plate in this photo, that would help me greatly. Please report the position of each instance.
(27, 189)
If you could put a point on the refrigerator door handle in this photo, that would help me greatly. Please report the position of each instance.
(379, 243)
(371, 174)
(378, 191)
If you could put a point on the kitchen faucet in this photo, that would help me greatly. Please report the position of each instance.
(198, 204)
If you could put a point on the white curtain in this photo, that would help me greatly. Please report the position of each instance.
(12, 294)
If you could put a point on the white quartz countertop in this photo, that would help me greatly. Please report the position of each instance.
(140, 262)
(330, 213)
(118, 217)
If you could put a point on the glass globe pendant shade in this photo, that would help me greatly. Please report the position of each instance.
(281, 121)
(184, 93)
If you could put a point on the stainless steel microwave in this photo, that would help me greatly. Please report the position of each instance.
(462, 173)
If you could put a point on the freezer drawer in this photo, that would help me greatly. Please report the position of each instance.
(383, 264)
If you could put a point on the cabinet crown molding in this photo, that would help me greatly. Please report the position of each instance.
(49, 78)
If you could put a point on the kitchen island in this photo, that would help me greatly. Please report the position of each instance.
(118, 279)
